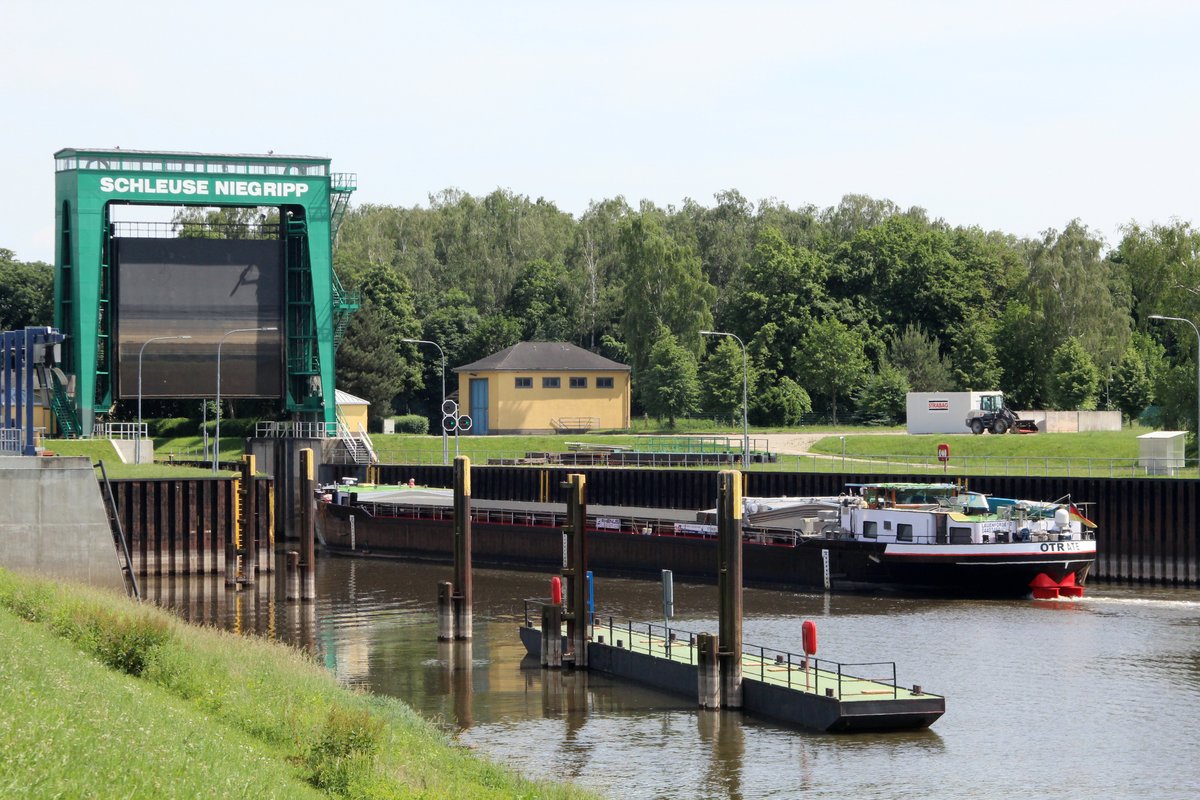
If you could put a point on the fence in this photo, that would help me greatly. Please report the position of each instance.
(844, 681)
(120, 430)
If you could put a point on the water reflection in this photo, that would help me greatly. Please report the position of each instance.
(1097, 698)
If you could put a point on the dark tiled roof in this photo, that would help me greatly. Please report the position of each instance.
(543, 356)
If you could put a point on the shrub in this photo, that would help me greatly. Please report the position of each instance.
(232, 427)
(126, 641)
(412, 423)
(345, 749)
(30, 603)
(173, 427)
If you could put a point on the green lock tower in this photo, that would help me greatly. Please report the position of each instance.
(262, 294)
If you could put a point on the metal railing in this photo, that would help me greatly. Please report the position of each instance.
(628, 525)
(841, 680)
(12, 440)
(287, 429)
(195, 230)
(120, 430)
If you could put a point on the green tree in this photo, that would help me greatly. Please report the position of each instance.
(1022, 355)
(882, 398)
(494, 332)
(973, 353)
(782, 402)
(781, 286)
(918, 356)
(663, 287)
(1131, 387)
(372, 361)
(670, 387)
(831, 356)
(1074, 292)
(721, 376)
(1075, 378)
(26, 292)
(595, 259)
(544, 304)
(1161, 265)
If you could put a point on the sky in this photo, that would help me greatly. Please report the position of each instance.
(1016, 116)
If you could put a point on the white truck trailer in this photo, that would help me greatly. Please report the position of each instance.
(941, 412)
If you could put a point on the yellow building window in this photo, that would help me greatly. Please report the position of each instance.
(578, 383)
(551, 383)
(604, 383)
(524, 383)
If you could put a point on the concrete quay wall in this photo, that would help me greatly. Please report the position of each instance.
(53, 522)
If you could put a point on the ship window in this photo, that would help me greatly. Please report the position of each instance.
(903, 532)
(887, 524)
(869, 530)
(524, 383)
(960, 535)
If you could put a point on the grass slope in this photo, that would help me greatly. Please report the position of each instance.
(72, 727)
(102, 696)
(1097, 444)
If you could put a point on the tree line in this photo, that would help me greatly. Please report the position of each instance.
(842, 309)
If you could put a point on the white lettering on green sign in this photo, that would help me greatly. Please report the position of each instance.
(202, 188)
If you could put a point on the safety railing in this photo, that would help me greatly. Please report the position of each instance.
(287, 429)
(12, 440)
(120, 430)
(630, 525)
(195, 229)
(837, 679)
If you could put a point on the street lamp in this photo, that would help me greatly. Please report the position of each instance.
(217, 439)
(445, 442)
(137, 458)
(745, 403)
(1197, 330)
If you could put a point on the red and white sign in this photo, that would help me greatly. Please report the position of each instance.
(939, 405)
(943, 453)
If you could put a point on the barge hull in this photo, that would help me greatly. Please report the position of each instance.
(852, 564)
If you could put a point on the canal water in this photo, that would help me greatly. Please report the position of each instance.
(1097, 698)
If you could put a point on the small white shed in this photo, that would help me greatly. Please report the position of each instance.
(1161, 452)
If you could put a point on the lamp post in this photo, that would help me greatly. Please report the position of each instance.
(445, 441)
(217, 438)
(1197, 331)
(137, 458)
(745, 402)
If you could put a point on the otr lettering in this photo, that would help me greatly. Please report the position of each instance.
(192, 186)
(1059, 547)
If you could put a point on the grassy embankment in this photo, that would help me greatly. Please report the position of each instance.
(1097, 444)
(100, 696)
(1092, 454)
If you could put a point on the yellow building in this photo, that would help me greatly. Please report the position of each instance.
(352, 410)
(544, 387)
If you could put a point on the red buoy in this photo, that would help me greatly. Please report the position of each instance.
(556, 590)
(808, 633)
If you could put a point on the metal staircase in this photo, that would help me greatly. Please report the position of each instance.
(341, 186)
(358, 446)
(345, 303)
(60, 403)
